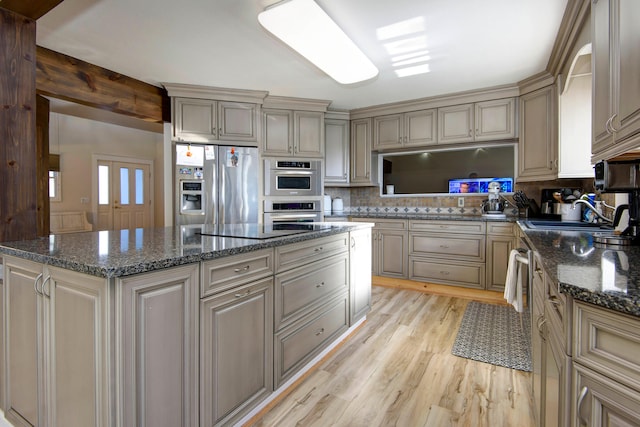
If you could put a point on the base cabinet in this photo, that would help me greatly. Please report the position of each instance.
(359, 271)
(57, 334)
(236, 357)
(157, 335)
(500, 241)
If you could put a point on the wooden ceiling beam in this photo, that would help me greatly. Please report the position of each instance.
(33, 9)
(64, 77)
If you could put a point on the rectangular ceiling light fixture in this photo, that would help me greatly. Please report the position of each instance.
(306, 28)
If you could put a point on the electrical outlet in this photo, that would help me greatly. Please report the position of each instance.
(461, 202)
(84, 200)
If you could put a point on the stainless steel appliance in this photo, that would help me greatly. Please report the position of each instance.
(621, 176)
(292, 178)
(290, 210)
(259, 231)
(215, 184)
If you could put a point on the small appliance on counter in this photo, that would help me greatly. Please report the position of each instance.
(621, 177)
(495, 204)
(326, 205)
(337, 206)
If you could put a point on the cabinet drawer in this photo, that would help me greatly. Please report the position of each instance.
(298, 254)
(300, 342)
(299, 290)
(461, 273)
(391, 224)
(471, 248)
(224, 273)
(457, 227)
(608, 342)
(501, 228)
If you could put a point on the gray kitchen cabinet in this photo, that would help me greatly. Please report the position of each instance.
(500, 241)
(600, 402)
(225, 273)
(616, 65)
(57, 333)
(455, 124)
(204, 120)
(557, 375)
(157, 337)
(336, 152)
(447, 252)
(538, 143)
(360, 268)
(538, 340)
(495, 120)
(389, 254)
(416, 128)
(236, 352)
(293, 133)
(361, 172)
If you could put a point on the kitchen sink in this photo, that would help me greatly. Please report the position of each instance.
(541, 224)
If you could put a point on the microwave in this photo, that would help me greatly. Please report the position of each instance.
(292, 178)
(617, 176)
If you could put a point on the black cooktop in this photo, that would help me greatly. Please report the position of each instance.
(260, 231)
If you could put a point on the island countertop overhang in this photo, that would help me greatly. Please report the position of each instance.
(112, 254)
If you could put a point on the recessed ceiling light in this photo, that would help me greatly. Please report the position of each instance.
(307, 29)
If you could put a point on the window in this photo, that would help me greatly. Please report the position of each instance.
(55, 195)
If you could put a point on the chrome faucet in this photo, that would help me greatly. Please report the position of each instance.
(598, 214)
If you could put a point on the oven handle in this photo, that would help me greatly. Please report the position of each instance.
(292, 216)
(281, 172)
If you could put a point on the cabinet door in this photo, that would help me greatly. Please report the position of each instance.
(237, 121)
(387, 131)
(360, 274)
(557, 382)
(79, 331)
(308, 134)
(236, 353)
(361, 151)
(537, 148)
(420, 128)
(24, 396)
(157, 335)
(602, 102)
(336, 151)
(393, 257)
(498, 250)
(627, 62)
(495, 120)
(455, 124)
(194, 120)
(538, 358)
(278, 132)
(600, 402)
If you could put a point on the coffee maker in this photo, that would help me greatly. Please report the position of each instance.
(621, 176)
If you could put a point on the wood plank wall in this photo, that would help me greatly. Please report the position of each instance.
(18, 199)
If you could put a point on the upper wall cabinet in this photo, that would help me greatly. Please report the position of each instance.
(362, 170)
(538, 144)
(616, 86)
(336, 152)
(206, 114)
(201, 120)
(413, 129)
(482, 121)
(294, 127)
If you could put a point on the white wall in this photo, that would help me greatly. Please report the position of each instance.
(77, 139)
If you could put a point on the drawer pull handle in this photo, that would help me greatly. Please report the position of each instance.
(444, 247)
(319, 285)
(35, 284)
(446, 273)
(583, 394)
(554, 301)
(243, 294)
(320, 332)
(242, 270)
(319, 249)
(444, 226)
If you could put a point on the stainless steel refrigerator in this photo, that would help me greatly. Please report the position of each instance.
(215, 184)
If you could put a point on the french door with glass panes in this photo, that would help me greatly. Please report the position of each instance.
(124, 200)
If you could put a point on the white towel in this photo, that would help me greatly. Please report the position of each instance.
(513, 282)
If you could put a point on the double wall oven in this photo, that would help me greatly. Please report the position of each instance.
(292, 191)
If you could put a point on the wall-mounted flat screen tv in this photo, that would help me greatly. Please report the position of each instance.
(479, 185)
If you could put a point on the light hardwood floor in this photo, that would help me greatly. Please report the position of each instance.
(398, 370)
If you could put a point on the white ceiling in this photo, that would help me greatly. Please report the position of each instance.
(471, 44)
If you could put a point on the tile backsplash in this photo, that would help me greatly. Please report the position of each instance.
(368, 199)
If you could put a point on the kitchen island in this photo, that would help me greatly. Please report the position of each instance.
(586, 322)
(168, 326)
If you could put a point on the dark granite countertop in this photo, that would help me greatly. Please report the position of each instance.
(126, 252)
(605, 276)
